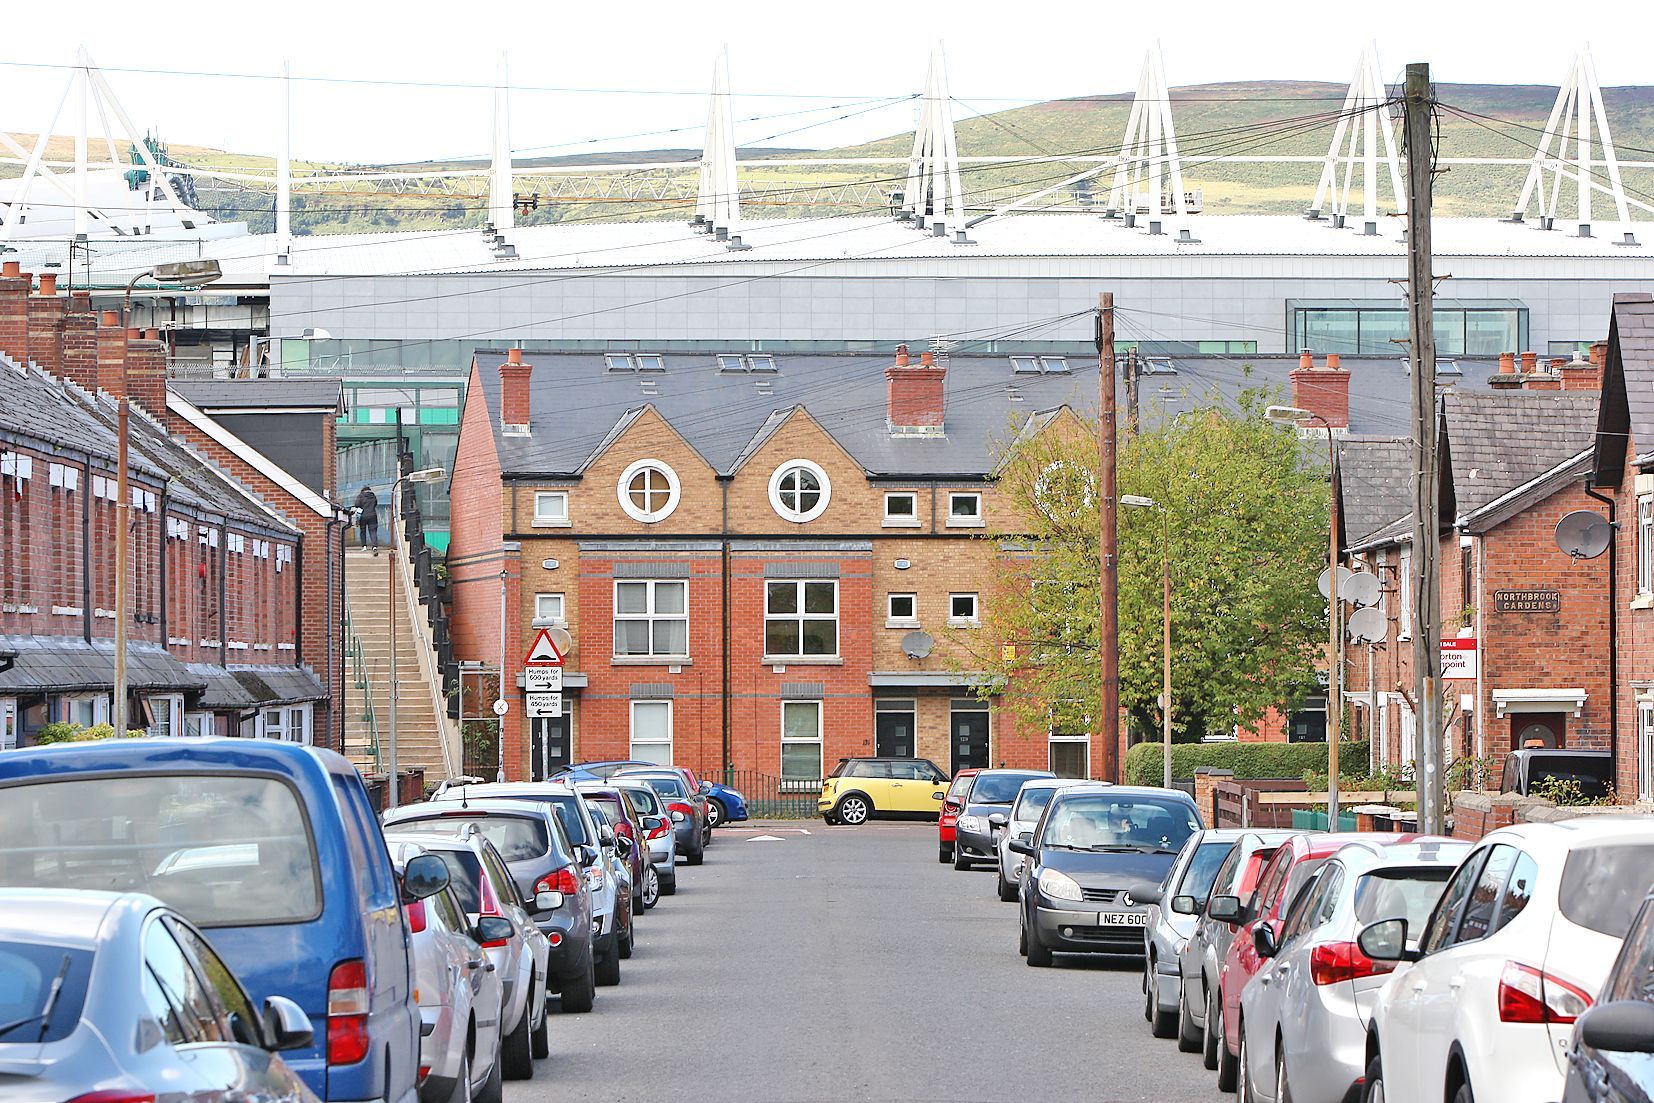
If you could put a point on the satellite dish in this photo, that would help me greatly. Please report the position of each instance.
(561, 637)
(1366, 625)
(1343, 576)
(1361, 590)
(917, 645)
(1584, 534)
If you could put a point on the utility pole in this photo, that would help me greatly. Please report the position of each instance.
(1166, 644)
(1418, 109)
(1133, 367)
(1108, 507)
(123, 517)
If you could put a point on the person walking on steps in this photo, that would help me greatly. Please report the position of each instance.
(367, 519)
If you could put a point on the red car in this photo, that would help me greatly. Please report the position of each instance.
(1292, 864)
(952, 805)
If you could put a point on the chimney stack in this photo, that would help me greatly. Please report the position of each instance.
(14, 310)
(146, 371)
(112, 354)
(80, 342)
(515, 407)
(45, 318)
(916, 397)
(1322, 391)
(1580, 374)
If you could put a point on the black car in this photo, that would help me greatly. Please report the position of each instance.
(1526, 769)
(1612, 1060)
(1096, 854)
(990, 796)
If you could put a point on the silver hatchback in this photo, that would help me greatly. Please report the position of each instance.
(1169, 929)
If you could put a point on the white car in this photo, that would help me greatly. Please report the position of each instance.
(1031, 800)
(1517, 948)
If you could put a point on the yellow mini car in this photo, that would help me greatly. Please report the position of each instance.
(859, 788)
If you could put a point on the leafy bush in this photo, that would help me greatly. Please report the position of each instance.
(1470, 772)
(1566, 793)
(63, 731)
(1249, 761)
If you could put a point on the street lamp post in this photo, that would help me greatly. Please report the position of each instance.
(424, 475)
(1141, 502)
(1292, 415)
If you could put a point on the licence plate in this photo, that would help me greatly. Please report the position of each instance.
(1123, 919)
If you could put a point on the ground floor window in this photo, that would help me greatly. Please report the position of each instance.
(801, 742)
(1645, 750)
(8, 724)
(165, 714)
(1071, 755)
(1309, 723)
(1409, 736)
(200, 724)
(291, 725)
(652, 731)
(86, 709)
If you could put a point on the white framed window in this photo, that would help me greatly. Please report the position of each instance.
(962, 611)
(291, 724)
(200, 724)
(1025, 365)
(902, 611)
(551, 507)
(800, 491)
(618, 361)
(800, 744)
(549, 607)
(649, 361)
(1645, 749)
(652, 731)
(1645, 544)
(1409, 736)
(1070, 755)
(800, 619)
(965, 509)
(8, 723)
(901, 508)
(648, 491)
(1404, 595)
(86, 709)
(166, 714)
(761, 362)
(651, 619)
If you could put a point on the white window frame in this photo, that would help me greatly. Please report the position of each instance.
(8, 723)
(799, 517)
(1408, 737)
(901, 520)
(801, 616)
(544, 600)
(972, 621)
(1055, 738)
(544, 518)
(892, 619)
(173, 703)
(1404, 592)
(650, 615)
(1645, 748)
(1024, 365)
(631, 730)
(1053, 365)
(820, 740)
(1645, 545)
(974, 520)
(200, 724)
(99, 703)
(674, 491)
(649, 361)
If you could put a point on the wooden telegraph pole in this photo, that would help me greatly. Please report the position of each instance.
(1108, 507)
(1421, 156)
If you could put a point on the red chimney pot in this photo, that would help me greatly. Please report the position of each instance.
(48, 283)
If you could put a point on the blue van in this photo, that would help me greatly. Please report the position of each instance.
(271, 848)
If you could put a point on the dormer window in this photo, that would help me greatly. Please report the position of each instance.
(618, 361)
(634, 361)
(760, 363)
(1054, 365)
(649, 361)
(1025, 365)
(731, 363)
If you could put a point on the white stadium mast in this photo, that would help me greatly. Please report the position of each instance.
(1148, 156)
(1364, 119)
(934, 197)
(718, 193)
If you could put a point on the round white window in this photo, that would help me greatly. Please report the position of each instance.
(648, 491)
(800, 490)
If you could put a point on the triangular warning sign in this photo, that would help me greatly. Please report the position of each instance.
(544, 652)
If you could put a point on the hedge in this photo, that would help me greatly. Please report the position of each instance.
(1250, 761)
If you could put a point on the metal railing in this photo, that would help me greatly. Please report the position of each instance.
(423, 590)
(773, 798)
(359, 678)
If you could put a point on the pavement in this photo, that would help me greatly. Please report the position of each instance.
(831, 964)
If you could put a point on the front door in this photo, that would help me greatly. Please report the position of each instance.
(548, 745)
(893, 734)
(969, 742)
(1537, 729)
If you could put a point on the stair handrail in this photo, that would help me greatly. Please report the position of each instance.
(447, 728)
(359, 675)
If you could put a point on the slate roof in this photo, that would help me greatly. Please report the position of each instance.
(1498, 440)
(1375, 483)
(260, 394)
(1627, 389)
(65, 664)
(577, 403)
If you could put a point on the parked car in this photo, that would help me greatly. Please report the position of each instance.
(550, 846)
(953, 802)
(987, 809)
(1303, 1018)
(1527, 770)
(1289, 868)
(1093, 851)
(270, 847)
(688, 811)
(1198, 964)
(1025, 813)
(860, 788)
(623, 816)
(459, 994)
(616, 851)
(699, 793)
(514, 945)
(724, 804)
(1169, 929)
(658, 836)
(1523, 938)
(1611, 1061)
(107, 996)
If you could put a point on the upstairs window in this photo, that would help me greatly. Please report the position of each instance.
(801, 619)
(1025, 365)
(759, 363)
(618, 361)
(965, 509)
(551, 507)
(901, 507)
(800, 490)
(648, 491)
(652, 619)
(1645, 545)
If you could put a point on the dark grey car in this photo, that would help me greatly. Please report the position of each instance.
(987, 805)
(1612, 1059)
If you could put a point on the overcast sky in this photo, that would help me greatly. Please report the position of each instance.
(647, 63)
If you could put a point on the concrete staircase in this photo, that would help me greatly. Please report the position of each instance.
(419, 729)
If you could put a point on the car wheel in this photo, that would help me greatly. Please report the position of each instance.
(1228, 1064)
(1162, 1024)
(516, 1050)
(1243, 1073)
(697, 856)
(1188, 1035)
(944, 853)
(579, 990)
(1283, 1093)
(1007, 891)
(1209, 1041)
(1464, 1094)
(1039, 955)
(716, 813)
(832, 821)
(669, 885)
(540, 1038)
(608, 970)
(462, 1085)
(493, 1089)
(625, 944)
(651, 888)
(1148, 992)
(1374, 1090)
(960, 859)
(853, 810)
(1022, 940)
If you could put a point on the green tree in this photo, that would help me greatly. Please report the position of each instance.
(1245, 506)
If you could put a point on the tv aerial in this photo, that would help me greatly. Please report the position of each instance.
(1584, 534)
(917, 645)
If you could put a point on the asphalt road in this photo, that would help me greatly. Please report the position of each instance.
(848, 964)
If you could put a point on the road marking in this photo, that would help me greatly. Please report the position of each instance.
(765, 839)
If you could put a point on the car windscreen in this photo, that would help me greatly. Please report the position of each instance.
(1409, 894)
(464, 877)
(1118, 821)
(564, 804)
(644, 799)
(669, 787)
(29, 974)
(517, 838)
(1032, 802)
(1603, 886)
(998, 788)
(226, 850)
(1203, 870)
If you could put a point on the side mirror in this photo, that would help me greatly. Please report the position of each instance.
(424, 875)
(1149, 894)
(1226, 908)
(997, 820)
(1023, 844)
(705, 789)
(677, 817)
(547, 901)
(1386, 940)
(286, 1026)
(1185, 905)
(606, 835)
(1263, 940)
(494, 929)
(1624, 1026)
